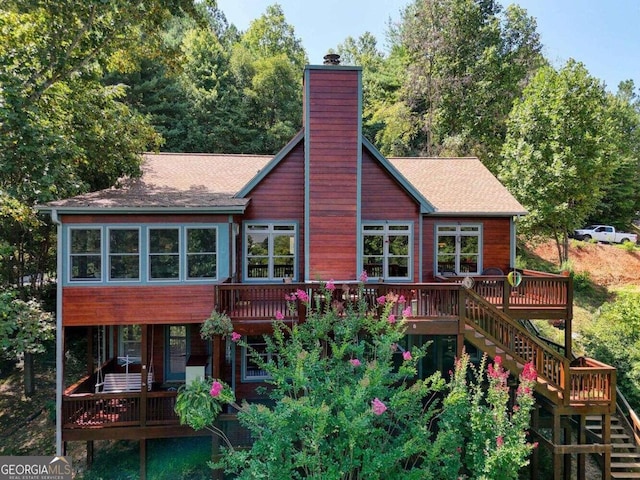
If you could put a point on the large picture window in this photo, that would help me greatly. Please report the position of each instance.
(85, 254)
(124, 254)
(387, 251)
(458, 249)
(270, 251)
(202, 252)
(164, 254)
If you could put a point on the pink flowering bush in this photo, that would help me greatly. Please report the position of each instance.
(347, 403)
(479, 435)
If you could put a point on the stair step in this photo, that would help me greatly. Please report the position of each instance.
(625, 464)
(623, 445)
(599, 427)
(625, 474)
(625, 455)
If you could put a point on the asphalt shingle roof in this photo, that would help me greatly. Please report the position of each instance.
(458, 186)
(455, 186)
(177, 180)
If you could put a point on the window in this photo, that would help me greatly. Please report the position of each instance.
(458, 249)
(130, 344)
(124, 254)
(177, 351)
(270, 251)
(256, 346)
(85, 254)
(201, 253)
(387, 250)
(164, 254)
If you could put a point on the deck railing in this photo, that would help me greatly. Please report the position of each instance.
(548, 296)
(536, 291)
(592, 382)
(93, 411)
(584, 381)
(518, 342)
(117, 409)
(263, 302)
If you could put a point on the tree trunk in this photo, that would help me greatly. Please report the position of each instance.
(29, 377)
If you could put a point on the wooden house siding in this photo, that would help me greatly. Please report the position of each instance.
(173, 304)
(496, 251)
(496, 239)
(333, 137)
(383, 199)
(280, 196)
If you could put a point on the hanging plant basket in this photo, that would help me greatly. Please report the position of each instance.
(217, 324)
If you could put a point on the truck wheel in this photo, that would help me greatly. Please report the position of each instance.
(625, 240)
(586, 238)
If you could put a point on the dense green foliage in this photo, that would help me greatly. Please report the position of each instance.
(85, 86)
(614, 338)
(555, 153)
(345, 402)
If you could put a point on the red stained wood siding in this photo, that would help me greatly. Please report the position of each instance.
(173, 304)
(384, 199)
(333, 137)
(496, 237)
(280, 196)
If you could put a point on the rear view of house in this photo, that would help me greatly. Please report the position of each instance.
(141, 266)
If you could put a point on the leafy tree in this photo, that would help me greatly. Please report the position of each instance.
(465, 63)
(24, 328)
(347, 403)
(555, 154)
(381, 82)
(614, 338)
(61, 132)
(268, 63)
(621, 197)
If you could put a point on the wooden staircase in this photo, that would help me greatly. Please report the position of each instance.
(512, 361)
(584, 385)
(581, 387)
(625, 457)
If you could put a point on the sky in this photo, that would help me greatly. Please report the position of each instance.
(602, 34)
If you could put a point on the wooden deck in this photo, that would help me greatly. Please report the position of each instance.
(483, 314)
(538, 296)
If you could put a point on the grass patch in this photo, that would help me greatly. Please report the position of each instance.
(167, 459)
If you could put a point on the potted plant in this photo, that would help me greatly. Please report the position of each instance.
(218, 323)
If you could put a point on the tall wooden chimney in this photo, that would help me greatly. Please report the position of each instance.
(333, 158)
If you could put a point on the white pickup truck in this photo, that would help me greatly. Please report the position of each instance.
(604, 233)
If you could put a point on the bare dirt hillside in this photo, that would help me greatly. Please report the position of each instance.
(607, 265)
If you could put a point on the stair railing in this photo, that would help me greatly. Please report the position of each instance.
(517, 341)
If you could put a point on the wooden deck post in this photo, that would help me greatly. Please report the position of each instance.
(143, 459)
(582, 440)
(556, 435)
(144, 375)
(89, 454)
(568, 327)
(567, 441)
(217, 357)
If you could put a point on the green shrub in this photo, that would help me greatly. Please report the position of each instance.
(614, 338)
(347, 404)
